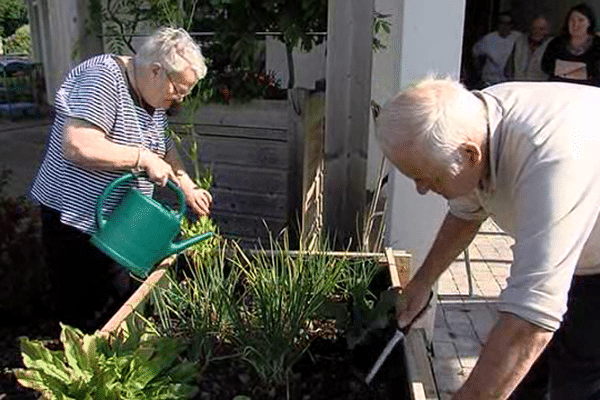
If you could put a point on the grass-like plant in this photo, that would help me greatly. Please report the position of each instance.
(283, 292)
(195, 302)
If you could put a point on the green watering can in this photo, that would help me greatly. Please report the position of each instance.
(140, 231)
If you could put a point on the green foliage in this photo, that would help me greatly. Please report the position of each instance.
(13, 14)
(195, 303)
(282, 293)
(20, 42)
(134, 365)
(380, 24)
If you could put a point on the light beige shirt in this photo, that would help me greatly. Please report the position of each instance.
(528, 64)
(544, 190)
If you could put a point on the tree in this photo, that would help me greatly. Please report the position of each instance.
(19, 42)
(13, 15)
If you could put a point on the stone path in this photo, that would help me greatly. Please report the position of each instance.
(21, 148)
(463, 321)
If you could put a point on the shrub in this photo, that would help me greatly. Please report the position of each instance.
(20, 42)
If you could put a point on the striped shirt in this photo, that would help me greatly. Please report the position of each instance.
(96, 91)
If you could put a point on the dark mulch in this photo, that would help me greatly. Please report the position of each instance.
(10, 355)
(329, 372)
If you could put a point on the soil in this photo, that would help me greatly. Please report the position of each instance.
(10, 356)
(329, 371)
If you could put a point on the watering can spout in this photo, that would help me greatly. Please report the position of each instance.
(184, 244)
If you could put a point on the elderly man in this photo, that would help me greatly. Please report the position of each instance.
(526, 155)
(530, 49)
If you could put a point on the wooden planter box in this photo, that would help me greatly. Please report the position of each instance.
(420, 380)
(264, 156)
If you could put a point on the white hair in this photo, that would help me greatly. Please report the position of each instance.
(174, 49)
(436, 114)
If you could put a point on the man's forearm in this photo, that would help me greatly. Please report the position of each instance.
(512, 347)
(454, 236)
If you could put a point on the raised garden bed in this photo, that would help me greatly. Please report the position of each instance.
(329, 370)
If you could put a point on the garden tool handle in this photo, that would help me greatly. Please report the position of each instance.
(398, 336)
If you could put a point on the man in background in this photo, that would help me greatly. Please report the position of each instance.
(493, 53)
(530, 49)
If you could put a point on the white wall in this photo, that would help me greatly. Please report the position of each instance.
(426, 37)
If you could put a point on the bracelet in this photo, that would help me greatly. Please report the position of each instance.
(136, 168)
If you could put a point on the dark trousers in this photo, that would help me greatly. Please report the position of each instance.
(85, 282)
(569, 367)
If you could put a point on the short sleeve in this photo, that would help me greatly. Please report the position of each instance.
(556, 209)
(94, 97)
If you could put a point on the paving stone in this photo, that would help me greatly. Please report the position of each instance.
(464, 322)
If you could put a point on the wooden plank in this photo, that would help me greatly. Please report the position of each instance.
(203, 129)
(138, 298)
(403, 268)
(256, 113)
(251, 179)
(418, 366)
(258, 204)
(348, 95)
(245, 152)
(248, 226)
(394, 273)
(418, 391)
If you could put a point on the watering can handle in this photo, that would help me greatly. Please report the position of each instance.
(125, 178)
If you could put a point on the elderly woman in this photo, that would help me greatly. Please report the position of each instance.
(110, 118)
(574, 56)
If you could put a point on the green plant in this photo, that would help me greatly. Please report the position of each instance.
(135, 365)
(13, 14)
(282, 293)
(19, 42)
(195, 303)
(380, 23)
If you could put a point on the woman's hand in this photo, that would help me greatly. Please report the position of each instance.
(158, 170)
(199, 200)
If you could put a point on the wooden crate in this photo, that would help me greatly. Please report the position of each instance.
(421, 382)
(264, 156)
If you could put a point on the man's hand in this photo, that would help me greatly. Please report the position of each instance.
(412, 301)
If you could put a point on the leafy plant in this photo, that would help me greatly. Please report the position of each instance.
(134, 365)
(380, 24)
(19, 42)
(13, 14)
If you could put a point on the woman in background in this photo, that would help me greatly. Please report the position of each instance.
(574, 56)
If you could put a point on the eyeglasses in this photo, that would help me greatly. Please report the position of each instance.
(181, 93)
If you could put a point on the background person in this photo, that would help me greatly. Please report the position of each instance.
(110, 119)
(530, 49)
(526, 155)
(574, 56)
(492, 53)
